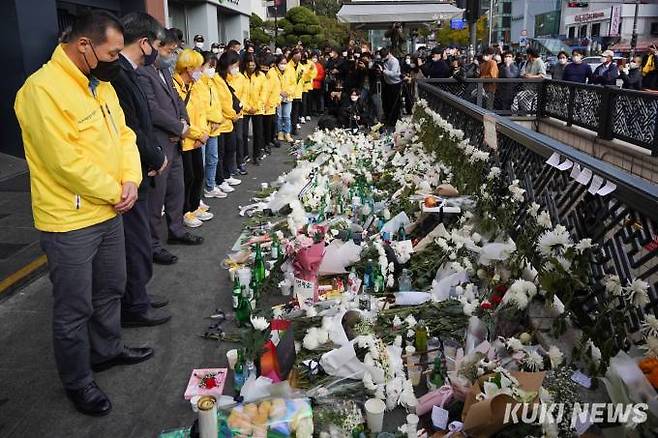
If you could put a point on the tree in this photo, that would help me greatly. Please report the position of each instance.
(300, 24)
(323, 8)
(446, 36)
(335, 34)
(256, 32)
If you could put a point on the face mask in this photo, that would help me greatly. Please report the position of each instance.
(166, 61)
(486, 58)
(370, 64)
(198, 45)
(150, 58)
(210, 72)
(412, 65)
(563, 61)
(104, 71)
(314, 59)
(235, 71)
(634, 65)
(282, 67)
(604, 60)
(436, 58)
(577, 59)
(215, 50)
(196, 75)
(407, 61)
(354, 98)
(344, 54)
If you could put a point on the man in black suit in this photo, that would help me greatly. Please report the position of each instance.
(169, 119)
(141, 32)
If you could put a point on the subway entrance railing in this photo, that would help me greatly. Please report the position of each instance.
(610, 112)
(623, 224)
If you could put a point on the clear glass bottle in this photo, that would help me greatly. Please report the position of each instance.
(404, 282)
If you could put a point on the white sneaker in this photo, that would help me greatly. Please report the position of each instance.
(308, 118)
(214, 193)
(203, 206)
(303, 120)
(299, 126)
(190, 220)
(203, 215)
(233, 181)
(226, 188)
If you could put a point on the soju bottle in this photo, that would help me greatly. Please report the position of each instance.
(242, 315)
(238, 372)
(367, 276)
(255, 290)
(378, 280)
(259, 265)
(237, 292)
(436, 377)
(402, 234)
(421, 337)
(275, 252)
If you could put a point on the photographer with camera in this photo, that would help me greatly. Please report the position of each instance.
(391, 86)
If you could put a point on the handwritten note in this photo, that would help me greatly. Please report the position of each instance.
(439, 417)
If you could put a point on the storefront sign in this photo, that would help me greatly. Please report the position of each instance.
(615, 21)
(589, 16)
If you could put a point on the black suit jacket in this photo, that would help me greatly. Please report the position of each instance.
(138, 118)
(167, 108)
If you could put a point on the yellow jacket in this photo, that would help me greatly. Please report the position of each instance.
(272, 91)
(254, 96)
(214, 111)
(226, 102)
(309, 74)
(77, 145)
(239, 86)
(298, 74)
(197, 108)
(288, 82)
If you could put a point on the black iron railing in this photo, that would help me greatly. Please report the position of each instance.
(610, 112)
(623, 223)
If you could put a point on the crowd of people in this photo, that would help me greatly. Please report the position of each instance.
(125, 128)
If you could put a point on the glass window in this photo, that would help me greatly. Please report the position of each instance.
(507, 22)
(596, 29)
(572, 32)
(507, 8)
(583, 31)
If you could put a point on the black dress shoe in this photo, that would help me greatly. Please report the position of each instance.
(128, 356)
(186, 239)
(90, 400)
(164, 257)
(150, 318)
(158, 301)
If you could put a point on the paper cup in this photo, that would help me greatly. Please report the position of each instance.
(375, 414)
(412, 425)
(232, 356)
(415, 374)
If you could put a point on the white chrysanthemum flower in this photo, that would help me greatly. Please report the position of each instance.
(583, 245)
(613, 285)
(638, 295)
(310, 341)
(516, 191)
(259, 323)
(514, 344)
(368, 382)
(556, 357)
(595, 352)
(651, 347)
(411, 321)
(397, 322)
(557, 305)
(552, 241)
(494, 173)
(544, 220)
(533, 210)
(311, 312)
(398, 341)
(650, 326)
(533, 361)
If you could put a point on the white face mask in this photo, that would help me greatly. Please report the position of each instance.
(634, 65)
(486, 58)
(210, 72)
(604, 59)
(407, 61)
(196, 75)
(563, 61)
(199, 45)
(577, 59)
(215, 50)
(354, 98)
(344, 54)
(282, 67)
(509, 61)
(235, 71)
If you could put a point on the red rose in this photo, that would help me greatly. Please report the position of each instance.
(209, 382)
(501, 289)
(486, 305)
(496, 299)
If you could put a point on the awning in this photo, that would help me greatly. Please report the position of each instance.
(642, 45)
(369, 13)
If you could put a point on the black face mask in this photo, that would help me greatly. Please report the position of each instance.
(104, 71)
(150, 58)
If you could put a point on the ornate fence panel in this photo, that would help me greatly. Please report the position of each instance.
(623, 223)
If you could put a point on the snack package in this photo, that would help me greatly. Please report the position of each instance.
(270, 418)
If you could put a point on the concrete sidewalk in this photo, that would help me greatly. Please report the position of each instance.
(147, 397)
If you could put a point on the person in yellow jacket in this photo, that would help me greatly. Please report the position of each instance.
(215, 118)
(272, 93)
(238, 82)
(191, 88)
(297, 70)
(232, 112)
(287, 84)
(253, 106)
(84, 173)
(309, 74)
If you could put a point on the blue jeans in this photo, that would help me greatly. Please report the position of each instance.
(211, 158)
(283, 117)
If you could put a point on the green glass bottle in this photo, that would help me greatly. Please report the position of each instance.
(436, 377)
(255, 290)
(259, 265)
(402, 233)
(421, 337)
(237, 292)
(242, 315)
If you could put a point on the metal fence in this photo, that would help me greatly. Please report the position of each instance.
(623, 223)
(610, 112)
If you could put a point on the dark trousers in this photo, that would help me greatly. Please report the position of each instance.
(391, 101)
(294, 114)
(139, 257)
(193, 170)
(241, 151)
(227, 156)
(316, 101)
(268, 128)
(305, 105)
(169, 191)
(88, 272)
(257, 139)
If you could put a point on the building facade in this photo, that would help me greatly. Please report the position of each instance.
(534, 18)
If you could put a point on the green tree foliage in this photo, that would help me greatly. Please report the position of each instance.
(300, 24)
(323, 8)
(446, 36)
(256, 32)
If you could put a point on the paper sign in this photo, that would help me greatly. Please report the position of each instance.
(439, 417)
(595, 185)
(566, 165)
(575, 171)
(490, 136)
(584, 176)
(582, 379)
(553, 160)
(607, 189)
(304, 291)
